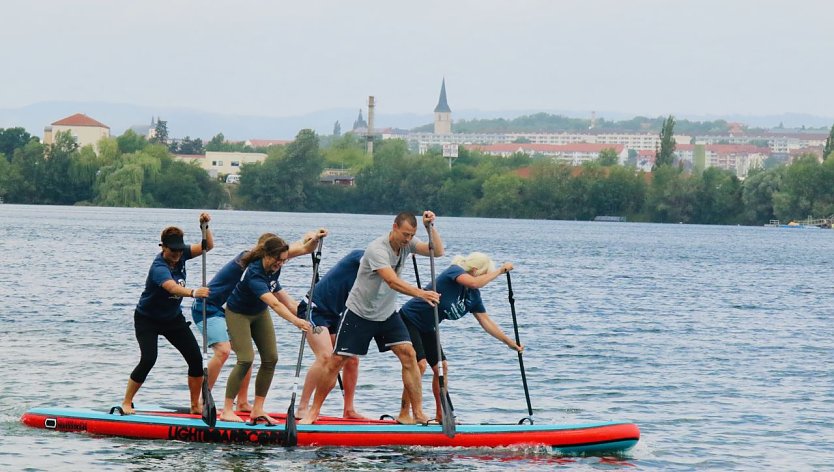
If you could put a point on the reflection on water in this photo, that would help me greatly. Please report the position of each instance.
(714, 340)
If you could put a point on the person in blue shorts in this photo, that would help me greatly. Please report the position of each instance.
(158, 313)
(220, 287)
(329, 298)
(459, 287)
(248, 319)
(371, 311)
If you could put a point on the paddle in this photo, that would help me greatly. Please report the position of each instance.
(448, 419)
(440, 377)
(209, 408)
(416, 272)
(520, 358)
(292, 428)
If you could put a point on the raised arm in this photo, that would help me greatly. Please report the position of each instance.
(422, 248)
(471, 281)
(390, 277)
(307, 243)
(197, 249)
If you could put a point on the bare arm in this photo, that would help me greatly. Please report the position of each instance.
(390, 277)
(422, 248)
(470, 281)
(197, 249)
(490, 327)
(281, 310)
(287, 300)
(178, 290)
(307, 243)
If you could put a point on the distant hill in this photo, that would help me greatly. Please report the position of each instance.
(201, 124)
(196, 123)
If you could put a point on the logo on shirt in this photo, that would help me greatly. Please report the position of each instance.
(457, 310)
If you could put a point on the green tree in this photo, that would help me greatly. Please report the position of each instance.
(287, 178)
(665, 156)
(671, 196)
(160, 132)
(718, 197)
(502, 197)
(11, 139)
(608, 157)
(799, 190)
(130, 142)
(757, 195)
(27, 173)
(829, 144)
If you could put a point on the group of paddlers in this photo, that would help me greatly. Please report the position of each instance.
(353, 303)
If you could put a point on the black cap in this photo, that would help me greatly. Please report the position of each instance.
(174, 241)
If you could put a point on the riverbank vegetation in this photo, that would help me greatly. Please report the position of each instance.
(129, 171)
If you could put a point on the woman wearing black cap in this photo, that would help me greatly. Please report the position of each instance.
(158, 313)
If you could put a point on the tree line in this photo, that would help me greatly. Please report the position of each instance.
(130, 171)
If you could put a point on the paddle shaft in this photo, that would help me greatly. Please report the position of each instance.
(416, 272)
(204, 245)
(307, 316)
(445, 403)
(518, 342)
(209, 415)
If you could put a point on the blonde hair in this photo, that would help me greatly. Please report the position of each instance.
(475, 260)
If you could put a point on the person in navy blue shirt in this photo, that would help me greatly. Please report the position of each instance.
(158, 313)
(329, 299)
(248, 319)
(459, 295)
(220, 287)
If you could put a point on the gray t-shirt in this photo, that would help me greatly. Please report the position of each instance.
(372, 298)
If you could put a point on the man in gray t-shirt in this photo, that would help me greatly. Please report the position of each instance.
(371, 312)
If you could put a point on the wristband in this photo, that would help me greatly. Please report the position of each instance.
(192, 293)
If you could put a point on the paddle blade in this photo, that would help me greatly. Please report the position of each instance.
(448, 414)
(209, 409)
(292, 429)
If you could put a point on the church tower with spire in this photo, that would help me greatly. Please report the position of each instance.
(442, 113)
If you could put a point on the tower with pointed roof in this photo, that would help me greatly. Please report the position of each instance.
(360, 123)
(442, 113)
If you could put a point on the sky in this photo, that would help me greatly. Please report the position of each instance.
(271, 58)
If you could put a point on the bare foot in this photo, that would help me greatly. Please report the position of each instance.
(422, 419)
(244, 407)
(231, 417)
(405, 420)
(127, 408)
(197, 410)
(309, 419)
(354, 415)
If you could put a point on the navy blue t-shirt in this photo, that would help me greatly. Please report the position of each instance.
(156, 302)
(332, 290)
(220, 287)
(455, 301)
(245, 298)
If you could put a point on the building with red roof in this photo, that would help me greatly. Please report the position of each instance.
(84, 129)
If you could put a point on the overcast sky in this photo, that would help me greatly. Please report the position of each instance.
(281, 58)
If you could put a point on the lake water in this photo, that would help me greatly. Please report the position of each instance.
(716, 341)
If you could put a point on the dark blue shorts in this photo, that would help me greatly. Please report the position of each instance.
(425, 344)
(355, 334)
(320, 317)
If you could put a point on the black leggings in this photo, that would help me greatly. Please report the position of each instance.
(176, 332)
